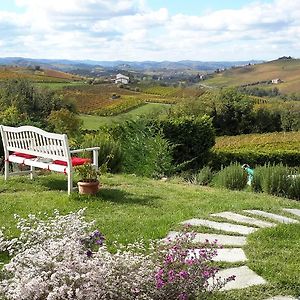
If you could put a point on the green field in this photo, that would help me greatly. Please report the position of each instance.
(130, 208)
(94, 122)
(287, 70)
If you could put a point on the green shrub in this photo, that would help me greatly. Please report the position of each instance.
(145, 150)
(294, 188)
(203, 177)
(193, 138)
(226, 157)
(275, 180)
(232, 177)
(258, 177)
(108, 147)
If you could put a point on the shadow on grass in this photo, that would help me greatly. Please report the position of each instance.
(52, 183)
(117, 196)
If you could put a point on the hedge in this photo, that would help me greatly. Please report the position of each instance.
(223, 158)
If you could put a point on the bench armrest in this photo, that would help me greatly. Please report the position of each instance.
(86, 149)
(95, 154)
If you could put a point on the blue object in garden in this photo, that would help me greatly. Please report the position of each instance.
(250, 173)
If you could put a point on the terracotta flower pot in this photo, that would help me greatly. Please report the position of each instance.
(88, 188)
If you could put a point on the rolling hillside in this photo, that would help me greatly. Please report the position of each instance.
(36, 75)
(287, 70)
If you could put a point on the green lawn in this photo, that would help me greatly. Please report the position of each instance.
(94, 122)
(130, 208)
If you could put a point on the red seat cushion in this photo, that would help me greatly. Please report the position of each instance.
(76, 161)
(24, 155)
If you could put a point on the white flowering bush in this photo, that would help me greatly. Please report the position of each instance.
(56, 258)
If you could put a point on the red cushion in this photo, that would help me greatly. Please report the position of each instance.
(24, 155)
(76, 161)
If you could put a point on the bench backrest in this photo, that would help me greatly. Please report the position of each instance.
(35, 141)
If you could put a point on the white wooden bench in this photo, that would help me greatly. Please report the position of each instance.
(34, 147)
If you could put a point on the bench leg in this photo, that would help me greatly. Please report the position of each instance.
(6, 170)
(32, 172)
(70, 183)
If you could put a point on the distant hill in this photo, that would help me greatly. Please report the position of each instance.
(67, 65)
(36, 74)
(285, 68)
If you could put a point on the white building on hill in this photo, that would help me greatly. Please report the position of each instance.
(120, 78)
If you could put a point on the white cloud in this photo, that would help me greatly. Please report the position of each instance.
(129, 29)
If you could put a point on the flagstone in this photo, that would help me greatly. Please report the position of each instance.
(245, 277)
(294, 211)
(282, 298)
(231, 255)
(243, 219)
(228, 227)
(224, 240)
(276, 217)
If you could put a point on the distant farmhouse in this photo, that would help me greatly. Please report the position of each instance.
(120, 78)
(276, 81)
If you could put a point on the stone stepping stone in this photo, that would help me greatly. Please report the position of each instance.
(232, 255)
(243, 219)
(294, 211)
(282, 298)
(278, 218)
(224, 240)
(245, 277)
(228, 227)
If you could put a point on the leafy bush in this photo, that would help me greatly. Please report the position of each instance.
(193, 137)
(294, 188)
(277, 180)
(203, 177)
(65, 121)
(232, 177)
(56, 258)
(109, 147)
(145, 150)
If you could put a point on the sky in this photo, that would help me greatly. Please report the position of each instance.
(139, 30)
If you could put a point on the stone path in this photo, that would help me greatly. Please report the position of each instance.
(224, 240)
(282, 298)
(245, 277)
(228, 227)
(243, 219)
(232, 255)
(294, 211)
(275, 217)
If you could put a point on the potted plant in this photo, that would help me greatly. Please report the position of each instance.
(88, 183)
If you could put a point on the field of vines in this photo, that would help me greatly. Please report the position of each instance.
(282, 141)
(108, 99)
(258, 149)
(174, 92)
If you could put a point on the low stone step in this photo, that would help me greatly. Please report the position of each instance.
(294, 211)
(282, 298)
(232, 255)
(224, 240)
(276, 217)
(228, 227)
(245, 277)
(243, 219)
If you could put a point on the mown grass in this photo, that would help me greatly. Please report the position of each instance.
(94, 122)
(130, 208)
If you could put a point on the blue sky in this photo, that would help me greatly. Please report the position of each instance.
(192, 7)
(150, 29)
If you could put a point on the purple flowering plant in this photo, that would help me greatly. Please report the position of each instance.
(185, 272)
